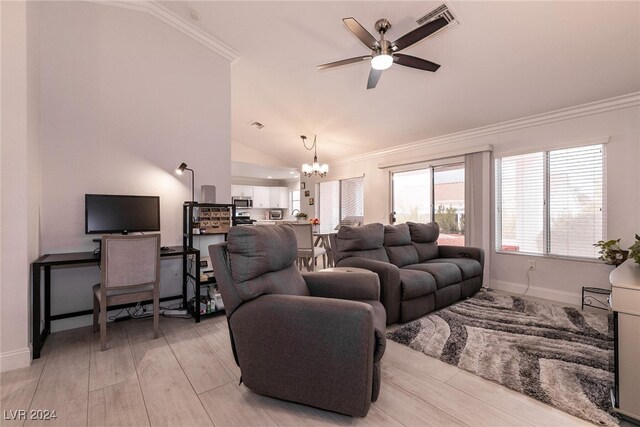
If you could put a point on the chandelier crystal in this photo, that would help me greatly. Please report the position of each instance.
(316, 168)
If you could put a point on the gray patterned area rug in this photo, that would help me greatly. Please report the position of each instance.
(559, 355)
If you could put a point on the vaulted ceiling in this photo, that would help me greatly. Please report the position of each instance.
(505, 60)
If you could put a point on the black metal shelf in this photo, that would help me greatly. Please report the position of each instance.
(189, 211)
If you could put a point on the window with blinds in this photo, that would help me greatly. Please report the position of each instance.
(352, 199)
(551, 202)
(329, 205)
(340, 201)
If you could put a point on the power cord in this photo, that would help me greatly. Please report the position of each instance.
(528, 281)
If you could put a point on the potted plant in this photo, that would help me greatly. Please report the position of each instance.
(301, 216)
(611, 252)
(634, 250)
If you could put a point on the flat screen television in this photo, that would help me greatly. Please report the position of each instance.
(109, 213)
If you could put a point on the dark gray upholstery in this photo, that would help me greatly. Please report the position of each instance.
(424, 238)
(444, 274)
(397, 243)
(416, 275)
(364, 241)
(468, 267)
(315, 339)
(416, 283)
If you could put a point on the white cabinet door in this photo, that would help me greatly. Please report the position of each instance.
(241, 191)
(278, 197)
(261, 197)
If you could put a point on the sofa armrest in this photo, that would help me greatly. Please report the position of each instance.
(352, 285)
(446, 251)
(389, 275)
(316, 351)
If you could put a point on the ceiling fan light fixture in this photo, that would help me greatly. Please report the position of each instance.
(381, 62)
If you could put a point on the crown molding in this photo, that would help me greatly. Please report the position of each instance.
(610, 104)
(175, 21)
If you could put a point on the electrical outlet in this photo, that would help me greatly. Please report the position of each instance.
(532, 264)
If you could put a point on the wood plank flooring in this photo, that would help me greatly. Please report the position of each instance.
(188, 377)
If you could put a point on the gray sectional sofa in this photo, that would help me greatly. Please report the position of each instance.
(416, 275)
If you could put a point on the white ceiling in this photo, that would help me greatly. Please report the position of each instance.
(504, 61)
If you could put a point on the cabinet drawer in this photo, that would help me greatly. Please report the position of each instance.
(625, 300)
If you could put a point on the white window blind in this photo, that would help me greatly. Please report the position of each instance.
(329, 205)
(352, 198)
(522, 209)
(575, 200)
(551, 202)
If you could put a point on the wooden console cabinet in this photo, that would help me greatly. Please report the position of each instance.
(625, 302)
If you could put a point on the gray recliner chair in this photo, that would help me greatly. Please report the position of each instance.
(312, 338)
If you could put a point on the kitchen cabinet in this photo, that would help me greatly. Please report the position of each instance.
(261, 197)
(279, 197)
(242, 191)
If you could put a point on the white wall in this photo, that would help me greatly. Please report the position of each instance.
(556, 279)
(243, 153)
(20, 174)
(125, 99)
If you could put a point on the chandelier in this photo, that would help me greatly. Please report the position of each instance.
(316, 168)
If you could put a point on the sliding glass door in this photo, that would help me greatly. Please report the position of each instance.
(412, 196)
(448, 203)
(432, 194)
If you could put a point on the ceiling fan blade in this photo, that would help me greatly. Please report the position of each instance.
(418, 34)
(413, 62)
(374, 76)
(343, 62)
(359, 31)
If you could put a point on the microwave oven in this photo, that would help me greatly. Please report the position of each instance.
(242, 202)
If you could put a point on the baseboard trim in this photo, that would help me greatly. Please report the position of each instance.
(15, 359)
(536, 291)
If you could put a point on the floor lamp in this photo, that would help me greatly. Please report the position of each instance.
(180, 170)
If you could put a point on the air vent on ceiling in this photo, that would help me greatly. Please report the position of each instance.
(441, 11)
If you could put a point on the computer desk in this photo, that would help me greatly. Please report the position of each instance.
(83, 258)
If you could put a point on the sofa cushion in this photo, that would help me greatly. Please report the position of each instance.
(416, 283)
(397, 243)
(426, 251)
(397, 235)
(258, 268)
(364, 241)
(361, 238)
(402, 255)
(443, 273)
(424, 233)
(424, 238)
(468, 267)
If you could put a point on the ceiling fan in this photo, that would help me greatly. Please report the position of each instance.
(384, 53)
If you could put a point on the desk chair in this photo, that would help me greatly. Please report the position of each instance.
(130, 273)
(307, 252)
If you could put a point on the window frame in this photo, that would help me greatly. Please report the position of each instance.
(497, 190)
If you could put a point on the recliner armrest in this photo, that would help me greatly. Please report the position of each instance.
(352, 285)
(446, 251)
(316, 351)
(389, 275)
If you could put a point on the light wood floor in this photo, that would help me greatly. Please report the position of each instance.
(187, 377)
